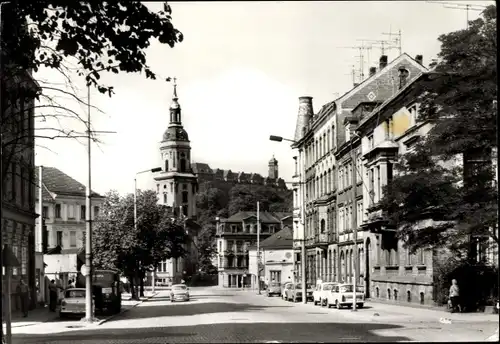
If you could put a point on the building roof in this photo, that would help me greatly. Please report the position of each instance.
(56, 182)
(265, 217)
(279, 240)
(200, 167)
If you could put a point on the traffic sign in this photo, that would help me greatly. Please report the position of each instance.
(85, 270)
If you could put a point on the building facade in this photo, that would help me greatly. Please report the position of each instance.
(337, 181)
(18, 198)
(64, 223)
(276, 258)
(176, 186)
(235, 236)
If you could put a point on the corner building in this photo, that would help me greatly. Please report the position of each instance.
(176, 185)
(325, 204)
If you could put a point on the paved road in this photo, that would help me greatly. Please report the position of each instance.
(215, 315)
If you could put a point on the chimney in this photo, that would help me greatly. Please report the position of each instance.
(419, 59)
(373, 70)
(306, 108)
(382, 61)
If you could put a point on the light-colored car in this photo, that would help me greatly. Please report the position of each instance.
(342, 295)
(73, 302)
(286, 289)
(274, 288)
(295, 293)
(179, 292)
(320, 294)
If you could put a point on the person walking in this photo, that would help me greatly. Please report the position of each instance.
(71, 284)
(52, 296)
(23, 291)
(454, 296)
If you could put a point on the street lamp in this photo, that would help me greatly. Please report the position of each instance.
(303, 220)
(153, 170)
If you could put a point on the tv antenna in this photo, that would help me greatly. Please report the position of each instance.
(457, 6)
(361, 48)
(380, 43)
(353, 74)
(396, 40)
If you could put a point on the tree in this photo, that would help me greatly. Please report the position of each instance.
(449, 176)
(88, 38)
(116, 243)
(245, 198)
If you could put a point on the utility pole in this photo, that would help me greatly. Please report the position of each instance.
(258, 248)
(354, 227)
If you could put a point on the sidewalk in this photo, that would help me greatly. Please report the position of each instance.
(35, 316)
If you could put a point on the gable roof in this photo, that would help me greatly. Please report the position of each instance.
(55, 182)
(279, 240)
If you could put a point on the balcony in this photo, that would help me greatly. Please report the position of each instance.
(321, 240)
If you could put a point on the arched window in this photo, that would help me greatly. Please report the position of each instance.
(388, 294)
(166, 165)
(183, 165)
(377, 292)
(408, 296)
(395, 294)
(322, 225)
(422, 298)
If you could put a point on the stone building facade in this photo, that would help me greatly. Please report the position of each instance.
(176, 187)
(340, 181)
(235, 236)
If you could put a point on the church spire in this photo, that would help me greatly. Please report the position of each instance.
(175, 108)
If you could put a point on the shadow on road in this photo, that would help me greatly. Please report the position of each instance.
(226, 333)
(190, 308)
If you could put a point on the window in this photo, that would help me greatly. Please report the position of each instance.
(341, 178)
(341, 220)
(58, 211)
(333, 137)
(347, 132)
(16, 253)
(370, 141)
(413, 110)
(184, 186)
(24, 260)
(185, 196)
(350, 174)
(72, 239)
(185, 211)
(71, 211)
(83, 211)
(379, 186)
(233, 228)
(359, 168)
(359, 213)
(59, 241)
(420, 257)
(23, 186)
(389, 128)
(371, 177)
(45, 212)
(96, 211)
(164, 198)
(157, 188)
(323, 226)
(275, 276)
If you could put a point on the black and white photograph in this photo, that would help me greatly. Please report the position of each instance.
(248, 171)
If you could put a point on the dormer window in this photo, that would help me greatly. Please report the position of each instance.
(347, 132)
(413, 110)
(403, 76)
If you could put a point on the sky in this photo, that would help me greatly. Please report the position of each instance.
(240, 71)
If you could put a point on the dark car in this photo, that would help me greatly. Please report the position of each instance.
(296, 293)
(274, 288)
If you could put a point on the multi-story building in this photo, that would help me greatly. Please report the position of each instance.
(276, 258)
(18, 163)
(227, 177)
(176, 186)
(330, 181)
(235, 235)
(64, 222)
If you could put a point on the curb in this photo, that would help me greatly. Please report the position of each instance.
(493, 337)
(100, 322)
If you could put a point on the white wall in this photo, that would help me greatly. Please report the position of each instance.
(278, 260)
(60, 263)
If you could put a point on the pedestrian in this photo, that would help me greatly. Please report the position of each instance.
(454, 296)
(71, 284)
(52, 296)
(23, 291)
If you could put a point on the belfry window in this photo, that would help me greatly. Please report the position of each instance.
(166, 165)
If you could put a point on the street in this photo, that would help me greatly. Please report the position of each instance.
(217, 315)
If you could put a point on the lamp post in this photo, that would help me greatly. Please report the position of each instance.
(303, 217)
(153, 170)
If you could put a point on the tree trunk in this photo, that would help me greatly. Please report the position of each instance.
(141, 281)
(132, 288)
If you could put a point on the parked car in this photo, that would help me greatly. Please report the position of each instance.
(274, 288)
(321, 292)
(295, 293)
(285, 289)
(179, 292)
(341, 295)
(73, 302)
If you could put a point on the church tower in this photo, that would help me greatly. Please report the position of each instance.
(176, 185)
(273, 169)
